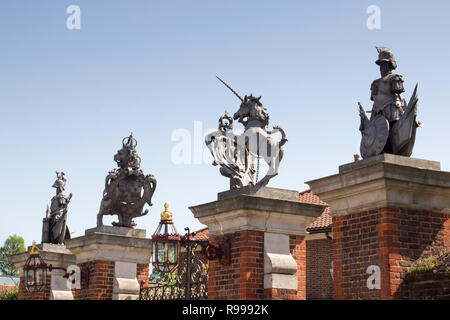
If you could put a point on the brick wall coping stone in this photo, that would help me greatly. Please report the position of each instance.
(393, 159)
(262, 192)
(122, 231)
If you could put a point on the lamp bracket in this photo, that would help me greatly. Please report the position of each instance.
(221, 251)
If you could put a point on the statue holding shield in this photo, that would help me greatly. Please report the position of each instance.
(55, 228)
(392, 125)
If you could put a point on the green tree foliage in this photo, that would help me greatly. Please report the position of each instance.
(13, 245)
(158, 276)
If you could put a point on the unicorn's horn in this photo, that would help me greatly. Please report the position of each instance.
(226, 85)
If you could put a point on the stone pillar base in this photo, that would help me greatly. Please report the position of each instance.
(388, 211)
(267, 227)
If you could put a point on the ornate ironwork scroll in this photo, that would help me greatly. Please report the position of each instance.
(191, 279)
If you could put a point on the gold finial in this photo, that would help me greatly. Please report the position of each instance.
(166, 214)
(34, 249)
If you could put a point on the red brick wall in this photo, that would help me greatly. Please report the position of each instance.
(280, 294)
(143, 273)
(391, 238)
(244, 277)
(101, 279)
(25, 295)
(419, 234)
(298, 252)
(319, 283)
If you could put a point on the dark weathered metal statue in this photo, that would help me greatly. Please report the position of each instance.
(54, 229)
(127, 189)
(235, 162)
(392, 124)
(236, 153)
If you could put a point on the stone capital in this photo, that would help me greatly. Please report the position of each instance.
(110, 246)
(385, 180)
(257, 212)
(53, 254)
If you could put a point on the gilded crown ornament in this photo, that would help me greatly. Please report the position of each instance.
(34, 249)
(166, 215)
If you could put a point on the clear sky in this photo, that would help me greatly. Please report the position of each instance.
(68, 97)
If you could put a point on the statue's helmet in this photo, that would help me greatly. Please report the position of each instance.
(60, 181)
(386, 55)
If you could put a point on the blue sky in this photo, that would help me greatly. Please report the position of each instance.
(68, 97)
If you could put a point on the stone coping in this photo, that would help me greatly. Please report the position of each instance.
(263, 192)
(392, 159)
(129, 232)
(110, 247)
(107, 238)
(57, 255)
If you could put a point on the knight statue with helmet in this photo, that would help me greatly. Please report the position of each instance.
(55, 228)
(392, 125)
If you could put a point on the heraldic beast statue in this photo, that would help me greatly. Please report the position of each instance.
(236, 153)
(54, 229)
(127, 189)
(392, 124)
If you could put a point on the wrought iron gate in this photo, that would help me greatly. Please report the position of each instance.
(190, 283)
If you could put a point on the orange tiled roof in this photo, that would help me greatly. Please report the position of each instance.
(201, 234)
(323, 222)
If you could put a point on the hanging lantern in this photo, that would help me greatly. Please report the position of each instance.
(166, 243)
(35, 271)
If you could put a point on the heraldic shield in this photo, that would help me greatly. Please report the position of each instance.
(374, 136)
(403, 132)
(128, 194)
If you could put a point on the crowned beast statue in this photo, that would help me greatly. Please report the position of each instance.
(236, 153)
(127, 189)
(54, 229)
(392, 124)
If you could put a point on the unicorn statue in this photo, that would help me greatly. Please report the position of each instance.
(236, 153)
